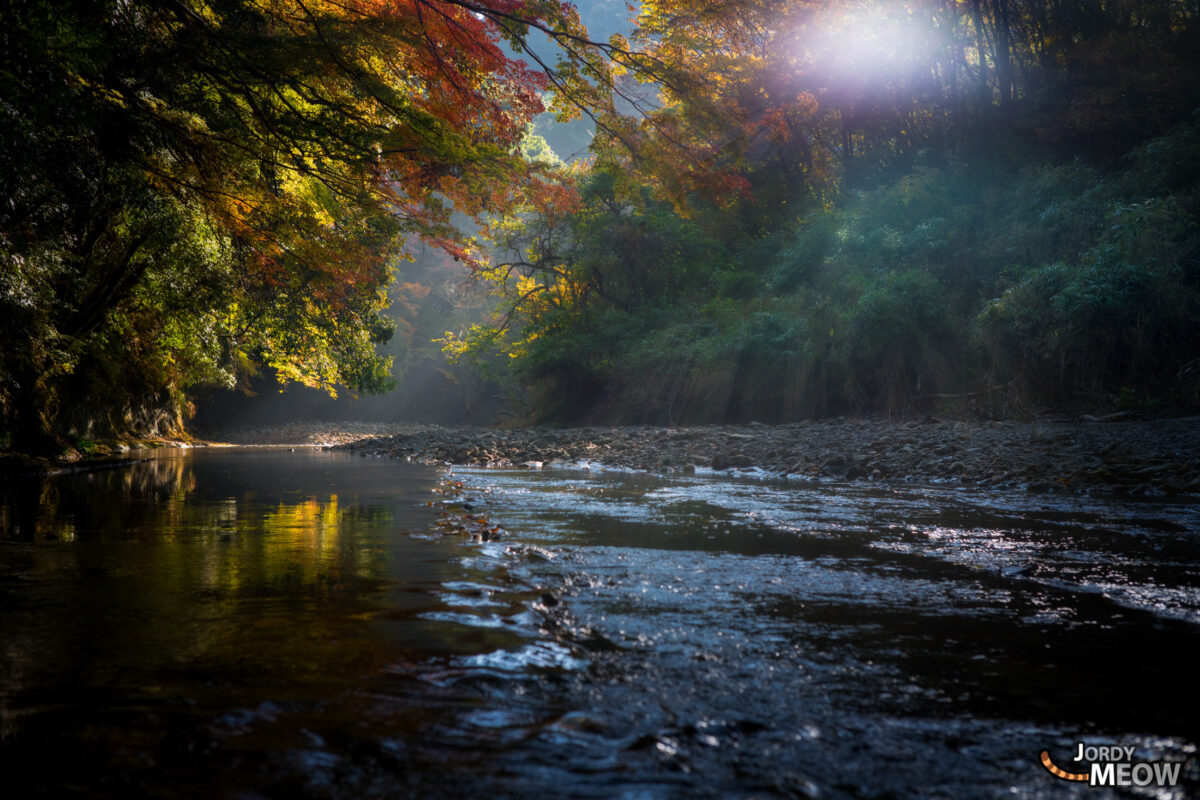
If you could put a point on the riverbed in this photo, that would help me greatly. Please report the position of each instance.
(276, 622)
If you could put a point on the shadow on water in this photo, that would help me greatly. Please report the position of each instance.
(265, 623)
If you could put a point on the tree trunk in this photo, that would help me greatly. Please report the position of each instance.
(1004, 51)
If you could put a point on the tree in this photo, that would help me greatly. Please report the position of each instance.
(839, 177)
(196, 185)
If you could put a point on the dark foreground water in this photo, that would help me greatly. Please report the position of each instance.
(265, 623)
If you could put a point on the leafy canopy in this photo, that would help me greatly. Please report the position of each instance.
(195, 186)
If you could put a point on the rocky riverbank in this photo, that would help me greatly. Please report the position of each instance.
(311, 433)
(1136, 457)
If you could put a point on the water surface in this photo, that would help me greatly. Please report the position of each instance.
(225, 622)
(269, 623)
(759, 638)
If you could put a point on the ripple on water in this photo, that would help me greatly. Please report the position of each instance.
(912, 624)
(702, 636)
(535, 655)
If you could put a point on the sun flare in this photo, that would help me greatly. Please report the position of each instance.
(875, 40)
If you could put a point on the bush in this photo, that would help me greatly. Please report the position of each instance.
(1074, 285)
(899, 342)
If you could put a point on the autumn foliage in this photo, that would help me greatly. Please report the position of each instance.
(197, 190)
(198, 187)
(803, 208)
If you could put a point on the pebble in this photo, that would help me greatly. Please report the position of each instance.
(1050, 454)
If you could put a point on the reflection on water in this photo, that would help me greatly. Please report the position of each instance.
(164, 619)
(262, 623)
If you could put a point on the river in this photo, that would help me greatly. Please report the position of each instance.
(267, 622)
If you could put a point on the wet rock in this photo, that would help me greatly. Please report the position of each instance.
(721, 461)
(834, 461)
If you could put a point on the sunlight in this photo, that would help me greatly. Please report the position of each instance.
(875, 41)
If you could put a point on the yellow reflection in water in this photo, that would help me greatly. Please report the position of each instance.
(309, 525)
(190, 567)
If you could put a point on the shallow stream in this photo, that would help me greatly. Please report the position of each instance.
(260, 622)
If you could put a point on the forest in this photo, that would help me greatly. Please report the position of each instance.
(785, 210)
(664, 398)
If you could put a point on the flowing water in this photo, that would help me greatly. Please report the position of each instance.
(266, 623)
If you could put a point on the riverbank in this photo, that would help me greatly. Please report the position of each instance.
(102, 453)
(1133, 457)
